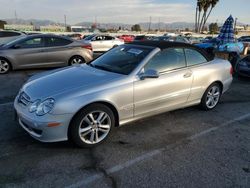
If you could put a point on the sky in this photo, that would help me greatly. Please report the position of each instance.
(120, 11)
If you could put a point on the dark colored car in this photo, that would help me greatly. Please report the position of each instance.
(243, 67)
(243, 37)
(172, 39)
(143, 38)
(245, 40)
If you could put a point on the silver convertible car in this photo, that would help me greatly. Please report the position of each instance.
(132, 81)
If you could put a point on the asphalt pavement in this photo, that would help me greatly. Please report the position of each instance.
(183, 148)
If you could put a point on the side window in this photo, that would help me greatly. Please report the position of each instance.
(167, 60)
(108, 38)
(194, 57)
(54, 41)
(32, 43)
(99, 38)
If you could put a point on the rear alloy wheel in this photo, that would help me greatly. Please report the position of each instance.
(4, 66)
(92, 125)
(76, 60)
(211, 97)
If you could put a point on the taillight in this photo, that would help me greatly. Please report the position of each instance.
(89, 47)
(231, 70)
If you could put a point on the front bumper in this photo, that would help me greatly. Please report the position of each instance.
(37, 126)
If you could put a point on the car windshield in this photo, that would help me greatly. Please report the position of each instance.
(122, 59)
(89, 37)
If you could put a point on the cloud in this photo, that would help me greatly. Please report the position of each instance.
(125, 11)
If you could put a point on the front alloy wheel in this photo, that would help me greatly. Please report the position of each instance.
(4, 66)
(92, 125)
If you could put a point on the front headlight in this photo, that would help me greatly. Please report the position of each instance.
(34, 106)
(42, 108)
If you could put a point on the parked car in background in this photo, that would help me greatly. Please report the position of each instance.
(37, 51)
(242, 67)
(243, 37)
(127, 38)
(129, 82)
(7, 36)
(207, 39)
(245, 40)
(209, 45)
(102, 43)
(172, 39)
(195, 40)
(144, 37)
(76, 36)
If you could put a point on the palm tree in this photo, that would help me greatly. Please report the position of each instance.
(196, 16)
(212, 5)
(202, 9)
(198, 10)
(206, 6)
(200, 4)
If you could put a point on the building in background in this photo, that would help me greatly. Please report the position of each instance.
(2, 23)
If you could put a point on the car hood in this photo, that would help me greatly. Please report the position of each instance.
(62, 80)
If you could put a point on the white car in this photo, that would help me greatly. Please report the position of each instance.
(102, 43)
(8, 36)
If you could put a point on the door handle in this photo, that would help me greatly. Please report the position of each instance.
(187, 75)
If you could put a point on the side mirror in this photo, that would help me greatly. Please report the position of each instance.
(150, 73)
(16, 46)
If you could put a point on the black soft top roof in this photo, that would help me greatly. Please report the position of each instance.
(164, 44)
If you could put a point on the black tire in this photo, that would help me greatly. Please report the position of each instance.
(5, 66)
(76, 60)
(204, 100)
(79, 122)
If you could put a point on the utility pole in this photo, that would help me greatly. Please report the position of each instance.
(235, 24)
(159, 26)
(65, 22)
(150, 20)
(15, 16)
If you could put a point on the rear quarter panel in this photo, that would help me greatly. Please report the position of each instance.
(204, 75)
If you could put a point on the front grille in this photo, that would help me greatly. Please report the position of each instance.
(23, 99)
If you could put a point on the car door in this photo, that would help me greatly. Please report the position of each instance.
(108, 42)
(201, 70)
(97, 43)
(170, 90)
(29, 52)
(58, 51)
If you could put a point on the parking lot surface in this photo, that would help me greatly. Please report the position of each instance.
(183, 148)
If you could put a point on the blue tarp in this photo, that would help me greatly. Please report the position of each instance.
(227, 31)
